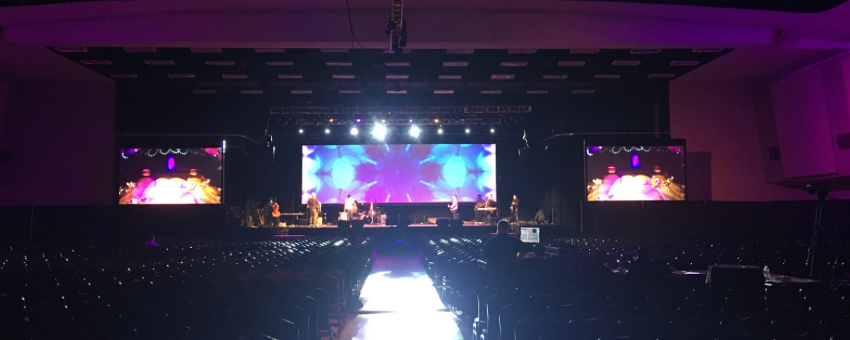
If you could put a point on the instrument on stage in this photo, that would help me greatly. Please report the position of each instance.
(486, 208)
(275, 210)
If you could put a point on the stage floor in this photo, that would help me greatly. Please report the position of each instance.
(419, 225)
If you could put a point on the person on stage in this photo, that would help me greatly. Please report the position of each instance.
(274, 214)
(453, 207)
(479, 203)
(349, 207)
(267, 212)
(314, 207)
(515, 210)
(491, 203)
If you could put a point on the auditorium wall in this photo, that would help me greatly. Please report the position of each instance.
(59, 138)
(719, 122)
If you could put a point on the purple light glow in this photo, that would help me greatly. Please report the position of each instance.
(170, 164)
(635, 160)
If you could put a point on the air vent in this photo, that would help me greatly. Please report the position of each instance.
(491, 91)
(584, 51)
(571, 63)
(205, 50)
(522, 51)
(301, 91)
(251, 91)
(124, 75)
(204, 91)
(140, 49)
(290, 76)
(270, 50)
(645, 51)
(537, 91)
(501, 76)
(584, 91)
(397, 63)
(684, 63)
(397, 92)
(460, 51)
(554, 76)
(607, 76)
(159, 62)
(450, 77)
(842, 140)
(626, 62)
(708, 50)
(338, 63)
(773, 153)
(181, 75)
(280, 63)
(514, 64)
(455, 63)
(349, 91)
(220, 63)
(397, 76)
(444, 91)
(98, 62)
(71, 49)
(234, 76)
(661, 76)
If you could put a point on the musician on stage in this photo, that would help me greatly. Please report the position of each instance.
(349, 207)
(515, 210)
(273, 213)
(453, 207)
(314, 206)
(479, 203)
(491, 203)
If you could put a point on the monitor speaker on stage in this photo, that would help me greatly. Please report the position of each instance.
(344, 225)
(456, 223)
(442, 223)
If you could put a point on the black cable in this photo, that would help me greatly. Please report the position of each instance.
(351, 27)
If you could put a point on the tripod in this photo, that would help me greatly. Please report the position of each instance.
(816, 225)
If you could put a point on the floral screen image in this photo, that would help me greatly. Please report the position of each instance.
(170, 176)
(398, 173)
(635, 173)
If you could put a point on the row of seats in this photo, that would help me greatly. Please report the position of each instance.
(577, 295)
(292, 289)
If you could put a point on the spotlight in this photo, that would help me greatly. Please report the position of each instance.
(300, 130)
(436, 121)
(332, 120)
(379, 131)
(467, 130)
(492, 130)
(354, 131)
(415, 131)
(440, 131)
(327, 131)
(358, 120)
(383, 120)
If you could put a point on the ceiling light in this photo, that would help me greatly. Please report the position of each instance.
(625, 62)
(251, 91)
(584, 51)
(661, 76)
(397, 63)
(397, 76)
(124, 75)
(290, 76)
(467, 130)
(140, 49)
(354, 131)
(571, 63)
(270, 50)
(220, 62)
(280, 63)
(343, 76)
(684, 63)
(95, 62)
(300, 130)
(436, 121)
(645, 51)
(444, 91)
(554, 76)
(397, 92)
(607, 76)
(522, 51)
(537, 92)
(181, 75)
(338, 63)
(455, 63)
(234, 76)
(440, 131)
(501, 76)
(415, 131)
(205, 50)
(514, 64)
(707, 50)
(491, 91)
(449, 77)
(584, 91)
(327, 131)
(301, 91)
(349, 91)
(71, 49)
(492, 130)
(379, 132)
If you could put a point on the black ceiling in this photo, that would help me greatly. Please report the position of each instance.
(801, 6)
(366, 71)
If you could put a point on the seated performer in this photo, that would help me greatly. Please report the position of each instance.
(479, 203)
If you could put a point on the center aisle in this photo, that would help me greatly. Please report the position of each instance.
(400, 302)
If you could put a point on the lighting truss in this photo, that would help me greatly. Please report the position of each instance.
(402, 110)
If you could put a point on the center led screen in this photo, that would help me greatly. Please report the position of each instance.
(398, 173)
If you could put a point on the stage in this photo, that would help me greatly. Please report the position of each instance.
(548, 230)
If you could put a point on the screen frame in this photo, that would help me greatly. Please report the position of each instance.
(498, 154)
(633, 142)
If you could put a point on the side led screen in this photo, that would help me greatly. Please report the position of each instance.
(635, 173)
(398, 173)
(170, 176)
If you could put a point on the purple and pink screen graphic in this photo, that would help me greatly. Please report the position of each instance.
(635, 173)
(398, 173)
(170, 176)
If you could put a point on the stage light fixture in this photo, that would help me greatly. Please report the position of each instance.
(492, 130)
(300, 130)
(440, 131)
(379, 131)
(332, 120)
(358, 120)
(415, 131)
(436, 121)
(354, 131)
(327, 131)
(467, 130)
